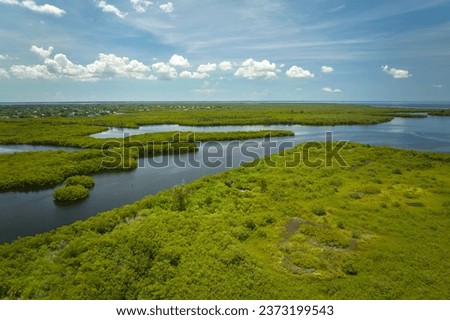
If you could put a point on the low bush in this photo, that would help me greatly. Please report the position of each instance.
(319, 210)
(370, 190)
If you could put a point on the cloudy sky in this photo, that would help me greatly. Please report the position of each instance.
(323, 50)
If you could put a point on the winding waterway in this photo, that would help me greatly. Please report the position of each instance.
(28, 213)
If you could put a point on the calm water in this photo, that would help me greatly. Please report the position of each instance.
(429, 134)
(35, 212)
(13, 148)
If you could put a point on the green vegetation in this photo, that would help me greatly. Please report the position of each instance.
(85, 181)
(76, 188)
(36, 170)
(366, 231)
(132, 114)
(442, 113)
(71, 193)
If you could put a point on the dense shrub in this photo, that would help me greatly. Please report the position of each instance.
(180, 197)
(85, 181)
(70, 193)
(319, 210)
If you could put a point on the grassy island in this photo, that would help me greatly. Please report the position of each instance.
(71, 193)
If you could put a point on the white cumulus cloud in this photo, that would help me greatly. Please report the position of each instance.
(106, 7)
(330, 90)
(31, 5)
(4, 56)
(3, 73)
(326, 69)
(167, 7)
(140, 5)
(60, 65)
(164, 71)
(226, 65)
(193, 75)
(252, 69)
(109, 65)
(396, 73)
(44, 53)
(31, 72)
(179, 61)
(299, 72)
(105, 67)
(209, 67)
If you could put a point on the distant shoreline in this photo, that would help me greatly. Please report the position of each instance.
(399, 104)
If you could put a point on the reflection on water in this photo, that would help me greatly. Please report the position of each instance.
(34, 212)
(119, 132)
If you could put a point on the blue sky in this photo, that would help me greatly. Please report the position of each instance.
(140, 50)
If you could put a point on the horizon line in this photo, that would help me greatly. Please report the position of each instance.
(224, 101)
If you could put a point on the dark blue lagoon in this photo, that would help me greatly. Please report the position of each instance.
(30, 213)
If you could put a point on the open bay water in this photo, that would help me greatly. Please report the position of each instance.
(29, 213)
